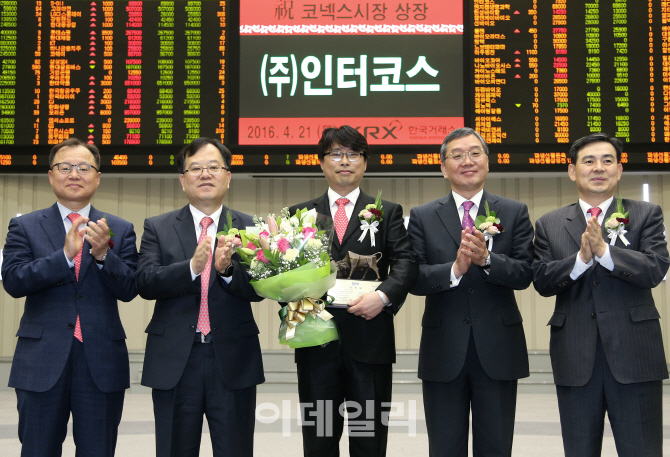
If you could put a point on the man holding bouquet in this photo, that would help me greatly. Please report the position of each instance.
(203, 355)
(357, 368)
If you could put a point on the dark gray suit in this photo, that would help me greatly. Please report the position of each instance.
(481, 312)
(605, 325)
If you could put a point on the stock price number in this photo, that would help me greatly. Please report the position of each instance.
(503, 158)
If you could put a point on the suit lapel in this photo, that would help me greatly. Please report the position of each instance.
(448, 214)
(611, 210)
(86, 257)
(185, 228)
(223, 220)
(53, 227)
(354, 224)
(575, 224)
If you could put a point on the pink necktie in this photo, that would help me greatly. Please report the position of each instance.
(341, 220)
(468, 223)
(203, 317)
(77, 265)
(595, 211)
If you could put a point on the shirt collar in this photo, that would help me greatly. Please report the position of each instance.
(476, 199)
(64, 211)
(604, 206)
(352, 196)
(198, 215)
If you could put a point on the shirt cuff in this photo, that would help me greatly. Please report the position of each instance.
(226, 280)
(606, 260)
(580, 267)
(454, 281)
(193, 275)
(383, 297)
(70, 263)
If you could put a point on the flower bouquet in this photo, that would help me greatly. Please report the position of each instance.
(288, 260)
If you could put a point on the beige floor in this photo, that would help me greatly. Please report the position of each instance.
(537, 431)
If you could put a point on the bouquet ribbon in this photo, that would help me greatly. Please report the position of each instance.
(297, 313)
(367, 227)
(619, 232)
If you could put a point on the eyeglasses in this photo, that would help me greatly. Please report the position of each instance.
(336, 155)
(475, 154)
(66, 168)
(213, 170)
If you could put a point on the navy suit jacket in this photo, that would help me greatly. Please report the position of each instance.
(482, 303)
(617, 304)
(35, 267)
(164, 274)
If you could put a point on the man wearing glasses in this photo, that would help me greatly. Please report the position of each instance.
(73, 263)
(473, 348)
(203, 356)
(357, 368)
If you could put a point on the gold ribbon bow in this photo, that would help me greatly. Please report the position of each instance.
(297, 313)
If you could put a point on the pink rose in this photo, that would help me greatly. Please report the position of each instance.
(251, 246)
(237, 241)
(283, 245)
(367, 215)
(261, 257)
(308, 232)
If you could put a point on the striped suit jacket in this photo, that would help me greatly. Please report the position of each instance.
(616, 304)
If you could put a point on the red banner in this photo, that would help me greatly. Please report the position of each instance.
(314, 17)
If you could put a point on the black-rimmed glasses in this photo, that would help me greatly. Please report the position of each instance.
(66, 168)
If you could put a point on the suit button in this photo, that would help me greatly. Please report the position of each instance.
(472, 291)
(192, 328)
(593, 315)
(466, 321)
(70, 325)
(595, 283)
(80, 296)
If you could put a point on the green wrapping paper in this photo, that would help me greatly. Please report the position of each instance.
(291, 286)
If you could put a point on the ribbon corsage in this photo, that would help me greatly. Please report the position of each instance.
(297, 313)
(489, 225)
(370, 218)
(616, 224)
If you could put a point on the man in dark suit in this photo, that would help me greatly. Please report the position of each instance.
(473, 348)
(357, 368)
(71, 354)
(203, 355)
(606, 347)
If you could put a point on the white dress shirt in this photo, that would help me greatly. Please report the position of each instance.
(349, 209)
(606, 260)
(211, 231)
(67, 223)
(459, 200)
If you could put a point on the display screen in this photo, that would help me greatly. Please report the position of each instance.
(112, 72)
(391, 69)
(550, 72)
(142, 78)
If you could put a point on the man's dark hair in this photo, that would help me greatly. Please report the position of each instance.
(579, 144)
(347, 137)
(73, 142)
(460, 133)
(194, 146)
